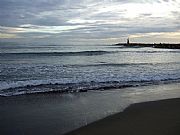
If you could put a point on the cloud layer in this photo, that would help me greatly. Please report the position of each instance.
(85, 21)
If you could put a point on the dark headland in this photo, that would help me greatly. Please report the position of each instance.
(154, 45)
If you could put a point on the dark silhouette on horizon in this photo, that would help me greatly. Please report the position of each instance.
(128, 41)
(155, 45)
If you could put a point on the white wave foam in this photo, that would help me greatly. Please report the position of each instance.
(17, 84)
(18, 87)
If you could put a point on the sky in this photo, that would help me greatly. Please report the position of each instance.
(90, 21)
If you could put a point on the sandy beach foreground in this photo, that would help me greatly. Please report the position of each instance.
(149, 118)
(57, 114)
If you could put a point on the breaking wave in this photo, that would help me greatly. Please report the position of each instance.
(55, 86)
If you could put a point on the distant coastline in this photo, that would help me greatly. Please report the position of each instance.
(161, 45)
(154, 45)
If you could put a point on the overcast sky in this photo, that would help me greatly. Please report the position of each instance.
(90, 21)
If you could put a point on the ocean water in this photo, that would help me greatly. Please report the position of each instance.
(92, 82)
(36, 68)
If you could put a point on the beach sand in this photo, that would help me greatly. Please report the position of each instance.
(149, 118)
(56, 114)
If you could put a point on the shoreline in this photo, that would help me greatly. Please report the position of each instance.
(159, 117)
(57, 114)
(122, 86)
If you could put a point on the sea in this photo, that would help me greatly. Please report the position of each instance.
(54, 89)
(48, 68)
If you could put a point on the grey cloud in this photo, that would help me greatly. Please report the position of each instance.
(145, 15)
(166, 0)
(136, 1)
(16, 13)
(23, 11)
(58, 11)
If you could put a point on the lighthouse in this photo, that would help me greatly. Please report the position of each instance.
(128, 41)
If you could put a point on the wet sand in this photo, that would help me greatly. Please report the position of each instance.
(149, 118)
(56, 114)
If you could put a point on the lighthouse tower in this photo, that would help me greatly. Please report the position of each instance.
(128, 41)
